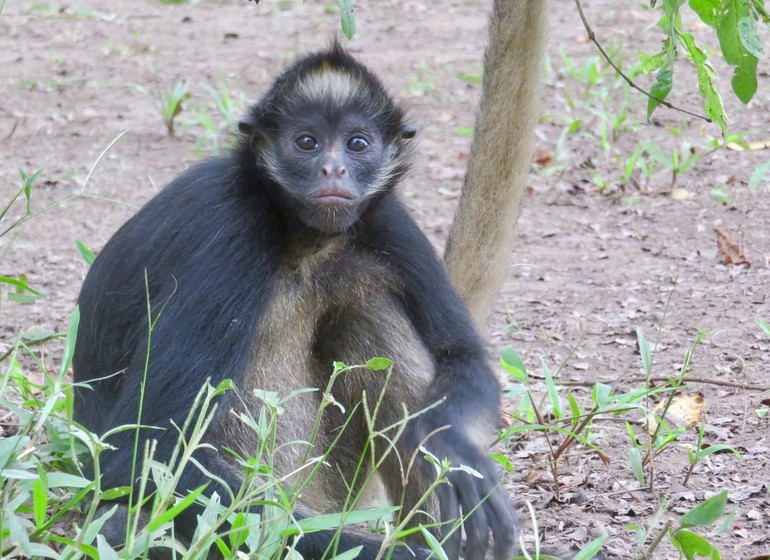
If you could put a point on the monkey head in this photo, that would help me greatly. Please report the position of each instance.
(330, 138)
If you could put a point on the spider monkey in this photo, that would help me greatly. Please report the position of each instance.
(292, 250)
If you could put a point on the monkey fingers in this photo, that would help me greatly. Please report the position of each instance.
(505, 530)
(493, 513)
(484, 507)
(450, 513)
(471, 494)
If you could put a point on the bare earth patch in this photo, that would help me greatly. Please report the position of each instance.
(598, 256)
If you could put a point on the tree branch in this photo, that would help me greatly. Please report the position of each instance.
(629, 81)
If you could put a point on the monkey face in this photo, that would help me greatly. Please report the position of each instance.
(329, 168)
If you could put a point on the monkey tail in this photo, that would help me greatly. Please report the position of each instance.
(482, 235)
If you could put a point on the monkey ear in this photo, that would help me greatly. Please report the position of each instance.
(408, 131)
(247, 124)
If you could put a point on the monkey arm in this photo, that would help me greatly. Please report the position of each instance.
(465, 393)
(206, 264)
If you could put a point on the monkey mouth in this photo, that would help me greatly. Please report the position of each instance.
(331, 210)
(333, 196)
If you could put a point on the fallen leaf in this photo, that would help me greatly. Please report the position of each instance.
(761, 145)
(542, 157)
(685, 409)
(754, 515)
(681, 194)
(730, 249)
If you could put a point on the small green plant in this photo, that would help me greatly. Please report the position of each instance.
(679, 160)
(569, 423)
(38, 465)
(598, 109)
(699, 451)
(423, 83)
(759, 175)
(721, 195)
(219, 125)
(685, 541)
(764, 326)
(170, 103)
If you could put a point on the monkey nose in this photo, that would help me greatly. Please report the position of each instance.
(330, 170)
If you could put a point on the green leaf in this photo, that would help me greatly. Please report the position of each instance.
(727, 33)
(115, 493)
(85, 252)
(644, 351)
(553, 394)
(377, 364)
(39, 502)
(661, 88)
(69, 345)
(238, 531)
(21, 285)
(759, 8)
(334, 520)
(720, 195)
(747, 31)
(106, 552)
(709, 11)
(601, 394)
(764, 326)
(504, 461)
(347, 22)
(433, 544)
(652, 63)
(176, 509)
(716, 448)
(744, 81)
(349, 554)
(574, 407)
(740, 46)
(707, 512)
(759, 174)
(472, 78)
(513, 364)
(60, 479)
(635, 458)
(658, 155)
(38, 334)
(591, 549)
(632, 434)
(706, 82)
(691, 545)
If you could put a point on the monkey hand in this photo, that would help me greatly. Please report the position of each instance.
(471, 491)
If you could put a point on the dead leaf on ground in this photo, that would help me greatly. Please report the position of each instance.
(542, 157)
(681, 194)
(729, 246)
(685, 410)
(760, 145)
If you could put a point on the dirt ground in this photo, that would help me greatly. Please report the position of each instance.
(591, 264)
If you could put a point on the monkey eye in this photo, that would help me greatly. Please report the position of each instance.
(306, 143)
(358, 144)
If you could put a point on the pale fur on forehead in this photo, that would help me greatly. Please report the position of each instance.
(328, 83)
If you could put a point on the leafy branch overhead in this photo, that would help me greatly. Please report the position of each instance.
(735, 23)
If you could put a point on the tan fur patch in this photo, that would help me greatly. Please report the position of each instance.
(368, 321)
(481, 240)
(330, 84)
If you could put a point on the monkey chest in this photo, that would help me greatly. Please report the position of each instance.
(334, 305)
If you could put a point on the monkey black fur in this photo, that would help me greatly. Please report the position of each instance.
(264, 266)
